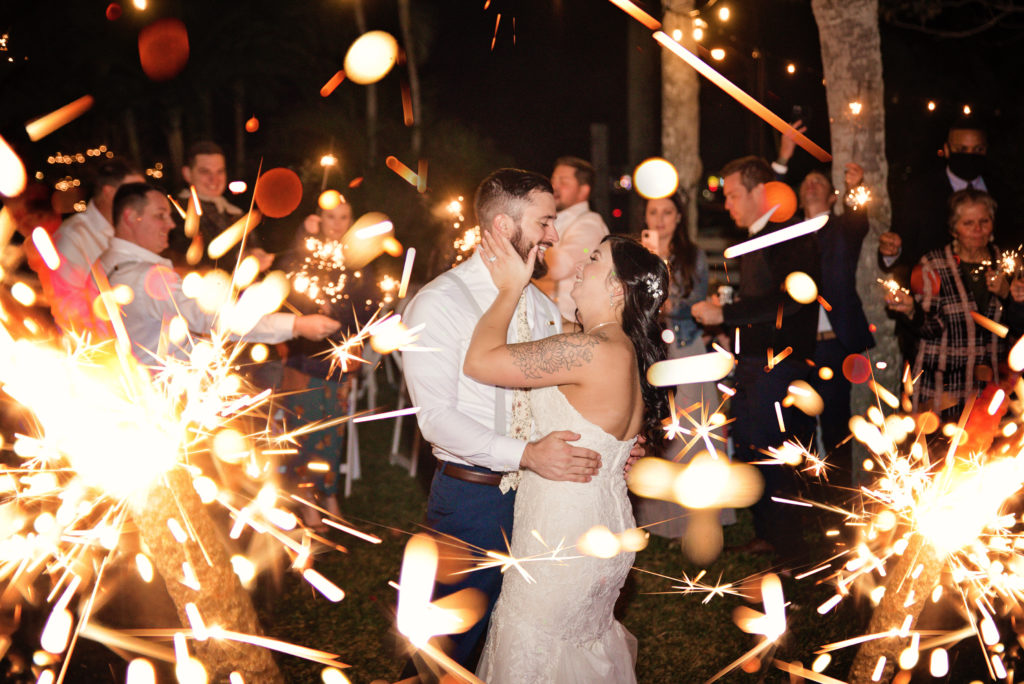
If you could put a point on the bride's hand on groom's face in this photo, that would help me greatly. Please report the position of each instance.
(553, 458)
(508, 270)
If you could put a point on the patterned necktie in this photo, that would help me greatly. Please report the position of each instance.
(522, 416)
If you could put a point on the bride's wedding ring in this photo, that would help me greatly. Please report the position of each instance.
(492, 258)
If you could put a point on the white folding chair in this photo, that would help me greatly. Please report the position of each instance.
(410, 461)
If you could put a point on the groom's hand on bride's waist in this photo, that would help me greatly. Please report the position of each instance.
(636, 453)
(553, 458)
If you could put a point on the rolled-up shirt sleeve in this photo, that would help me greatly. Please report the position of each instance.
(453, 408)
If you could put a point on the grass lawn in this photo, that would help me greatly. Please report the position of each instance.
(680, 640)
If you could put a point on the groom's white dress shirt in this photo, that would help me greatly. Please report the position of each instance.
(457, 414)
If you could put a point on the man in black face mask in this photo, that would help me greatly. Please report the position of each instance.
(920, 207)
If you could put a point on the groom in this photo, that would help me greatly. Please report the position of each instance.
(468, 423)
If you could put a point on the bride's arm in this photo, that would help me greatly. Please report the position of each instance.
(557, 360)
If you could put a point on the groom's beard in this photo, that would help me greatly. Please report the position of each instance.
(523, 247)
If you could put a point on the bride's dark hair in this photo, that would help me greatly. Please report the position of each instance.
(644, 279)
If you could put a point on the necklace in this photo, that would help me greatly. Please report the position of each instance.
(600, 325)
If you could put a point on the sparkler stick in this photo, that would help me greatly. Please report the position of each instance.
(794, 669)
(637, 13)
(742, 97)
(38, 129)
(41, 239)
(997, 329)
(407, 174)
(12, 172)
(332, 83)
(410, 257)
(788, 233)
(233, 234)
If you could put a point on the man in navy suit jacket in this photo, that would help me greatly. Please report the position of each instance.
(842, 329)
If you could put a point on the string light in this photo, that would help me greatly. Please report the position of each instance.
(967, 110)
(718, 54)
(677, 34)
(855, 108)
(724, 13)
(791, 68)
(698, 34)
(931, 105)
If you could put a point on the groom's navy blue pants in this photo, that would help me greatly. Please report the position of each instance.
(479, 515)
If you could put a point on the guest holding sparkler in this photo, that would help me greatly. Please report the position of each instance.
(321, 284)
(666, 233)
(957, 352)
(773, 326)
(843, 327)
(142, 221)
(206, 171)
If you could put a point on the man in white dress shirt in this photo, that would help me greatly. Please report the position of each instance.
(466, 422)
(142, 217)
(579, 230)
(80, 240)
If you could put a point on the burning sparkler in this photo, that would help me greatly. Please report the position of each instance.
(892, 286)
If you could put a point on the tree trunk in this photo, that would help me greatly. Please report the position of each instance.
(642, 102)
(680, 107)
(132, 133)
(220, 599)
(851, 57)
(599, 194)
(414, 77)
(904, 595)
(371, 97)
(238, 90)
(175, 144)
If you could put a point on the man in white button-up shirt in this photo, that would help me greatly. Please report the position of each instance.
(467, 422)
(142, 221)
(580, 230)
(80, 241)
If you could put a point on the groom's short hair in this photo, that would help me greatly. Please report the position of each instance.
(504, 191)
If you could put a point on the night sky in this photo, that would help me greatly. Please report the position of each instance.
(555, 68)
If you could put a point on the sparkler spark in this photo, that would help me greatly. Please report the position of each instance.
(108, 434)
(775, 237)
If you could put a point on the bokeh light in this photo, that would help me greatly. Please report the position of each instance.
(655, 178)
(371, 57)
(278, 192)
(779, 194)
(163, 49)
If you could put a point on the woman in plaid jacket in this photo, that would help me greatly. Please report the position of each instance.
(965, 287)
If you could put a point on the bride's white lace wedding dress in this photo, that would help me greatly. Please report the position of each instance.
(560, 628)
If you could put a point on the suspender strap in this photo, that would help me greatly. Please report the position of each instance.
(499, 393)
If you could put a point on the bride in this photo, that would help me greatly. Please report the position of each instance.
(557, 626)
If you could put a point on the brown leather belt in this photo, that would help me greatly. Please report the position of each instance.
(827, 335)
(450, 469)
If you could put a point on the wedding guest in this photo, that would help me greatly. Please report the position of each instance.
(142, 222)
(206, 169)
(666, 234)
(317, 388)
(769, 322)
(80, 240)
(956, 356)
(843, 327)
(579, 230)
